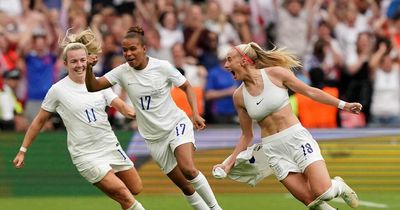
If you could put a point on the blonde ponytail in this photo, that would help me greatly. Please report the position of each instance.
(86, 37)
(275, 57)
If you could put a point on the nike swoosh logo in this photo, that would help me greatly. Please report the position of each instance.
(259, 101)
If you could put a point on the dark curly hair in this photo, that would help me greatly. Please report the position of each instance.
(135, 32)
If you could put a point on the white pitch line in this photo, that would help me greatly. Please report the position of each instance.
(365, 203)
(361, 203)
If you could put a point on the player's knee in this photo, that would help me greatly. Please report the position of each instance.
(190, 173)
(137, 189)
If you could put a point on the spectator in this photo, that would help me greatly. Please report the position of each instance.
(293, 26)
(154, 47)
(263, 19)
(196, 36)
(355, 83)
(217, 22)
(219, 91)
(395, 30)
(241, 22)
(195, 74)
(11, 110)
(40, 64)
(9, 56)
(8, 51)
(228, 6)
(325, 57)
(385, 74)
(168, 29)
(347, 31)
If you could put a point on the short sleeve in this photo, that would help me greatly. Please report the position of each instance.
(109, 95)
(50, 101)
(114, 75)
(174, 75)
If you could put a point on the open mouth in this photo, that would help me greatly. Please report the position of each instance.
(79, 71)
(233, 73)
(131, 61)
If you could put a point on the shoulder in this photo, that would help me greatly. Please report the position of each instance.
(123, 67)
(60, 84)
(238, 96)
(57, 89)
(119, 69)
(154, 62)
(163, 67)
(278, 72)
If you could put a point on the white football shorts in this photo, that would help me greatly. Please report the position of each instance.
(95, 169)
(162, 150)
(291, 150)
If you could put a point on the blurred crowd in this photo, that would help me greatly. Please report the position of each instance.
(349, 48)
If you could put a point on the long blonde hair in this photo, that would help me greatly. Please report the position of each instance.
(275, 57)
(87, 38)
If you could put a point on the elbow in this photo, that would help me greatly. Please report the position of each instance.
(130, 115)
(314, 93)
(91, 88)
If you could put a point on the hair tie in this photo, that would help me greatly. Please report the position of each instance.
(248, 59)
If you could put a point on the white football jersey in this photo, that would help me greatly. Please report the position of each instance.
(84, 116)
(150, 92)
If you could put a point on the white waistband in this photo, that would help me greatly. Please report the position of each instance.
(283, 133)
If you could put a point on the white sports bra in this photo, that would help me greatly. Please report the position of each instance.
(271, 99)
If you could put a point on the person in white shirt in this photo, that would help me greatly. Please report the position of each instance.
(292, 153)
(93, 146)
(167, 130)
(385, 75)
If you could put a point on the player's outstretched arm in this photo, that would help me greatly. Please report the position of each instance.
(290, 81)
(30, 136)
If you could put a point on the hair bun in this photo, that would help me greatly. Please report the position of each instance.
(136, 29)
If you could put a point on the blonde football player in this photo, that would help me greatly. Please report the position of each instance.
(93, 146)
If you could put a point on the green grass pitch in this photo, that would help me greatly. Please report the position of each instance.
(257, 201)
(50, 182)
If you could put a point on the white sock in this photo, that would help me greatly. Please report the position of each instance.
(136, 206)
(334, 191)
(196, 201)
(201, 185)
